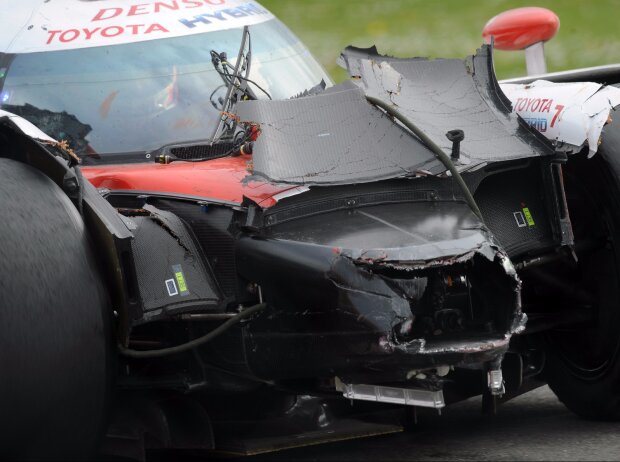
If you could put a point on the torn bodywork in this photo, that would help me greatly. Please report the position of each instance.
(427, 290)
(372, 263)
(417, 235)
(571, 115)
(397, 275)
(369, 272)
(446, 94)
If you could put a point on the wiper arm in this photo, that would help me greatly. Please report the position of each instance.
(239, 135)
(237, 84)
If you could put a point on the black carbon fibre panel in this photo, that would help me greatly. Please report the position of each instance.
(513, 205)
(328, 199)
(445, 94)
(210, 225)
(332, 138)
(170, 270)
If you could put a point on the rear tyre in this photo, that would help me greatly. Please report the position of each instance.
(583, 361)
(54, 326)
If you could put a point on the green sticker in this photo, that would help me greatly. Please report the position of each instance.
(181, 281)
(180, 277)
(528, 217)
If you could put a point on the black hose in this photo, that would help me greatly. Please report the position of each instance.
(436, 150)
(142, 354)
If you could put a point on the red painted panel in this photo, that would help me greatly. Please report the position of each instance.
(520, 28)
(214, 179)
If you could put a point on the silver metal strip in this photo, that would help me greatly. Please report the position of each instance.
(394, 395)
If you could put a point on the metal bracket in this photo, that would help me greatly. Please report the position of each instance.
(495, 382)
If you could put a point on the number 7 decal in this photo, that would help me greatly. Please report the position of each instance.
(558, 109)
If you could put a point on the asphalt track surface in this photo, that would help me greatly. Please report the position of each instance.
(534, 426)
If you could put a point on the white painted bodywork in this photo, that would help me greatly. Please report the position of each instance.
(26, 127)
(571, 115)
(28, 26)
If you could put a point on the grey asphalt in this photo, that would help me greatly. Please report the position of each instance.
(534, 426)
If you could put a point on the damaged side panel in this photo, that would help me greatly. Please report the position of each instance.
(334, 138)
(338, 137)
(438, 291)
(172, 277)
(571, 115)
(446, 94)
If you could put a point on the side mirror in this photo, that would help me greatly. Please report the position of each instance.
(524, 29)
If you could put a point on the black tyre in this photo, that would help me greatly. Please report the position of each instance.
(583, 361)
(54, 326)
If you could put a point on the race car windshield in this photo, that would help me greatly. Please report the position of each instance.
(125, 100)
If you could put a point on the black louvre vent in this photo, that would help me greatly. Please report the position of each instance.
(202, 151)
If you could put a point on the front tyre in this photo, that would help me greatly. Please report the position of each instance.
(583, 360)
(54, 326)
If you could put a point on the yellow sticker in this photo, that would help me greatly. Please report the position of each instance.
(181, 281)
(528, 216)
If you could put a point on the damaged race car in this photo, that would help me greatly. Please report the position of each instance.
(207, 245)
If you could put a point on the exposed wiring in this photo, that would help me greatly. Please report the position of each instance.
(256, 85)
(226, 65)
(213, 94)
(222, 66)
(143, 354)
(436, 150)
